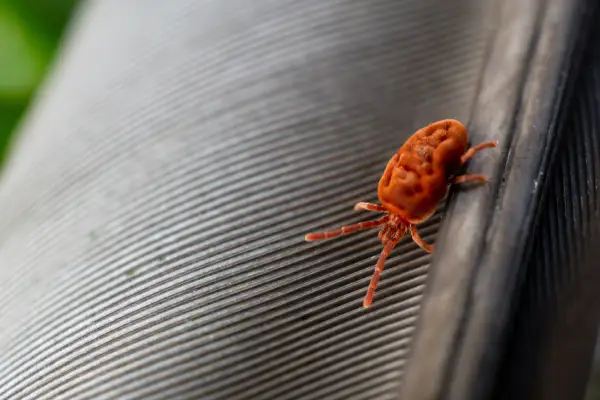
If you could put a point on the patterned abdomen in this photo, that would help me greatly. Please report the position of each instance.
(416, 178)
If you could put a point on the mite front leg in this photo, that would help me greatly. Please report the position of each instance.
(369, 207)
(387, 249)
(419, 240)
(383, 234)
(345, 230)
(473, 150)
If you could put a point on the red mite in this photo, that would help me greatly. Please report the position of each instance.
(415, 180)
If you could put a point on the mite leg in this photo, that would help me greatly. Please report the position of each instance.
(471, 152)
(470, 178)
(344, 230)
(387, 249)
(369, 207)
(419, 240)
(384, 234)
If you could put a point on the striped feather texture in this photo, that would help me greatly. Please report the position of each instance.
(152, 214)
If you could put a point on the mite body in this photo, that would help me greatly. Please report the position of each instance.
(415, 180)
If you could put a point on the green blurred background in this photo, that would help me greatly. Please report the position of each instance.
(30, 31)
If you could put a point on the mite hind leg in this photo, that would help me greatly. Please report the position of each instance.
(470, 178)
(467, 156)
(475, 149)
